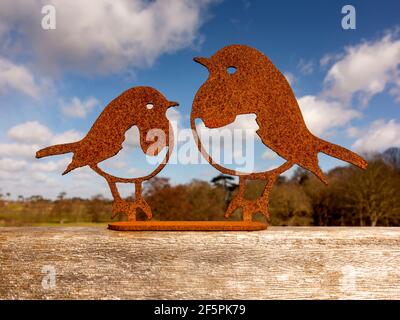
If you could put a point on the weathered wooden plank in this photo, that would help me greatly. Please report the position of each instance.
(321, 263)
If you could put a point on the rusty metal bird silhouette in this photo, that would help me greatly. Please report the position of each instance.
(258, 87)
(144, 107)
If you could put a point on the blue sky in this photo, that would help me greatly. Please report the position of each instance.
(54, 83)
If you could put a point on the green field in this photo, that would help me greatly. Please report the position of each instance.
(353, 197)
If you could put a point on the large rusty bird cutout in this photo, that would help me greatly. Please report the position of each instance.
(258, 87)
(144, 107)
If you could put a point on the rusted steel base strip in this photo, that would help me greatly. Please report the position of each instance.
(187, 226)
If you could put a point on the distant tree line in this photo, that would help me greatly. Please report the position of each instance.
(353, 197)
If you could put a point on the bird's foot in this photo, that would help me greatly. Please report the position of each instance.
(130, 208)
(249, 207)
(236, 203)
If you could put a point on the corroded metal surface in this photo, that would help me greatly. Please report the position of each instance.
(258, 87)
(144, 107)
(188, 226)
(281, 263)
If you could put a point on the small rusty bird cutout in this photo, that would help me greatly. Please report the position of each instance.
(258, 87)
(144, 107)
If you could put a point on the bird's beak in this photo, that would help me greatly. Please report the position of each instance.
(173, 104)
(203, 61)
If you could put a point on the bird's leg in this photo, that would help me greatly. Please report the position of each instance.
(129, 207)
(261, 204)
(118, 205)
(250, 207)
(238, 200)
(140, 202)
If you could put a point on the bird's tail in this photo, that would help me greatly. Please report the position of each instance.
(341, 153)
(57, 149)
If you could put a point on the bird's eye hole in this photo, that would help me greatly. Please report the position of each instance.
(231, 70)
(149, 106)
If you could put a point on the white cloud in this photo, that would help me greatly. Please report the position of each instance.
(12, 165)
(32, 176)
(269, 155)
(229, 145)
(321, 115)
(245, 122)
(18, 150)
(50, 166)
(83, 173)
(79, 109)
(353, 132)
(365, 69)
(395, 90)
(306, 67)
(8, 176)
(29, 137)
(65, 137)
(132, 138)
(30, 132)
(174, 116)
(40, 177)
(379, 136)
(326, 59)
(329, 58)
(136, 171)
(17, 77)
(104, 35)
(115, 163)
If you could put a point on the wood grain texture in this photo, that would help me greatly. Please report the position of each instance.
(280, 263)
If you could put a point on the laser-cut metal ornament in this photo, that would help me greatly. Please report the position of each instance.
(258, 87)
(144, 107)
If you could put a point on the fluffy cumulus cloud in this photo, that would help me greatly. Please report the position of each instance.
(21, 173)
(103, 35)
(17, 150)
(360, 71)
(322, 115)
(79, 109)
(27, 138)
(18, 78)
(34, 133)
(366, 69)
(378, 137)
(30, 132)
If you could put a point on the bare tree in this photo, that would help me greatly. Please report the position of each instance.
(373, 195)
